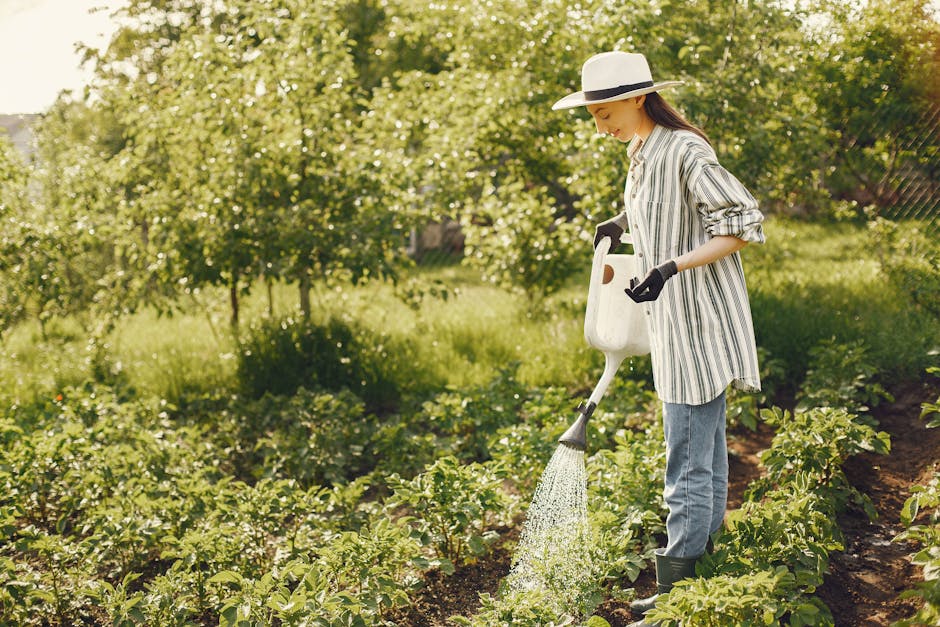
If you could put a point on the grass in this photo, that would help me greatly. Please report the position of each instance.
(809, 282)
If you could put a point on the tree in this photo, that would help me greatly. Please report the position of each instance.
(880, 87)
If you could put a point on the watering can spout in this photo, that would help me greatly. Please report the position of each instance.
(576, 435)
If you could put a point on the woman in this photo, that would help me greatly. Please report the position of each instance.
(689, 218)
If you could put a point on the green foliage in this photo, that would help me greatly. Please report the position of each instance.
(517, 242)
(352, 581)
(909, 259)
(931, 410)
(873, 129)
(768, 597)
(464, 422)
(625, 485)
(526, 608)
(791, 527)
(743, 407)
(279, 356)
(455, 506)
(812, 446)
(813, 282)
(310, 437)
(841, 375)
(927, 535)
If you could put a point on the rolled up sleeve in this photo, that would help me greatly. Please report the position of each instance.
(725, 206)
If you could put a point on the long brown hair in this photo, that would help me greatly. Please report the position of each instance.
(664, 113)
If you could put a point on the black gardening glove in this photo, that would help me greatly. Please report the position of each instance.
(608, 229)
(649, 288)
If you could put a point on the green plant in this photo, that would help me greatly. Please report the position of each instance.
(122, 607)
(280, 356)
(625, 483)
(351, 580)
(744, 407)
(910, 259)
(766, 597)
(841, 375)
(454, 505)
(524, 608)
(813, 445)
(927, 535)
(931, 410)
(791, 527)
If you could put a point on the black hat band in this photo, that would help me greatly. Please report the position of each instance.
(603, 94)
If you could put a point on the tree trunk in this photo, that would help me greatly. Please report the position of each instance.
(233, 299)
(269, 283)
(305, 294)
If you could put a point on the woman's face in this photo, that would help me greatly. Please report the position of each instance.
(620, 118)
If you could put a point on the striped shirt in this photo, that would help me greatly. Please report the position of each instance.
(677, 196)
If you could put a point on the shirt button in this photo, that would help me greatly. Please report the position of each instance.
(639, 254)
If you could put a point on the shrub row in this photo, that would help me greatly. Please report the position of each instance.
(131, 512)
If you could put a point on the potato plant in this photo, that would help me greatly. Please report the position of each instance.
(926, 535)
(813, 445)
(454, 507)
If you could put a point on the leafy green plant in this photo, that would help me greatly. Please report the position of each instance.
(841, 375)
(312, 437)
(524, 608)
(122, 607)
(280, 356)
(455, 506)
(765, 597)
(813, 445)
(791, 527)
(351, 580)
(931, 410)
(744, 407)
(625, 483)
(927, 535)
(910, 259)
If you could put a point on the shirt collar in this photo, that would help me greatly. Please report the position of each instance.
(640, 150)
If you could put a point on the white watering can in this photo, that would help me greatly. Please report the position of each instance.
(613, 324)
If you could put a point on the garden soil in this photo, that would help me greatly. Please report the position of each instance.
(864, 581)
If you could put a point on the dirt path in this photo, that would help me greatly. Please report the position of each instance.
(865, 580)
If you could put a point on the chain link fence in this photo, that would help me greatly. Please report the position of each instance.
(908, 185)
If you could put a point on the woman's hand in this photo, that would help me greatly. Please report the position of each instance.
(649, 288)
(610, 229)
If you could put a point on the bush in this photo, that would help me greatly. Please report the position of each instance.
(791, 527)
(280, 356)
(910, 259)
(351, 580)
(311, 437)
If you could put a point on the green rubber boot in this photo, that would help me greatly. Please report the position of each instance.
(669, 570)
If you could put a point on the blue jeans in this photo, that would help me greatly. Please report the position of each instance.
(696, 489)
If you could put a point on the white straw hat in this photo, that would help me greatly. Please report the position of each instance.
(610, 76)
